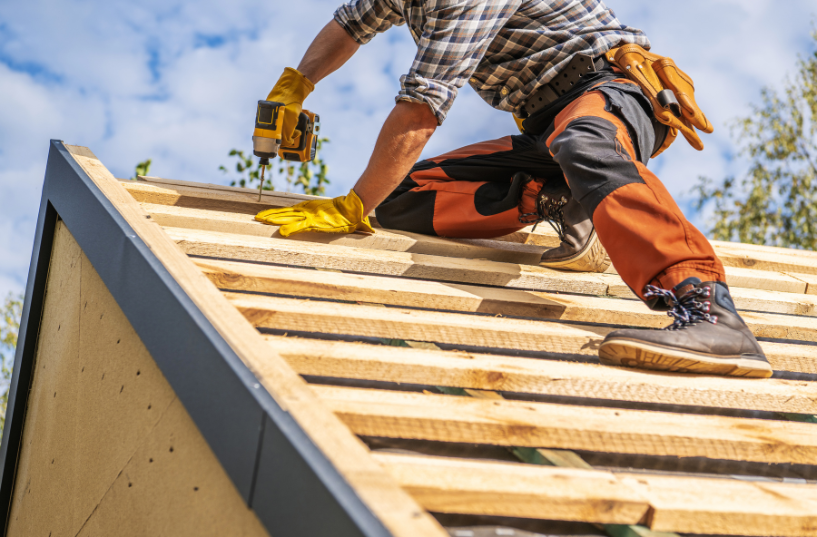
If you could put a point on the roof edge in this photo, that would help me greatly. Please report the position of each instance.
(246, 428)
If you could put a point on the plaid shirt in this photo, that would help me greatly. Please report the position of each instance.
(506, 49)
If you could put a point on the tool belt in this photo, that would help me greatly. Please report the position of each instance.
(570, 75)
(670, 90)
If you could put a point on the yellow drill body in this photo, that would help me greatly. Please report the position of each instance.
(266, 139)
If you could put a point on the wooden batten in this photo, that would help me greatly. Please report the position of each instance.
(442, 418)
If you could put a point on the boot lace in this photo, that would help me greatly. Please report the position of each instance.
(548, 208)
(687, 309)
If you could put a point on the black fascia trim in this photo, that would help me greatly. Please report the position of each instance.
(225, 400)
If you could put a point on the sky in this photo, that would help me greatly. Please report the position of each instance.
(177, 82)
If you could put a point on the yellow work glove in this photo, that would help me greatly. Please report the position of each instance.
(339, 215)
(518, 120)
(291, 89)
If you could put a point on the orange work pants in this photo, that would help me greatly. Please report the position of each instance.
(593, 144)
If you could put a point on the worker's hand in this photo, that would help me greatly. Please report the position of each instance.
(291, 89)
(339, 215)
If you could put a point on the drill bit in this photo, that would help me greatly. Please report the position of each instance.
(263, 163)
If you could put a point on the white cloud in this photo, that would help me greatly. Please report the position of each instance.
(177, 82)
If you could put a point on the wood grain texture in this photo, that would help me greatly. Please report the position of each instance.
(726, 506)
(289, 314)
(259, 278)
(681, 504)
(396, 509)
(446, 418)
(421, 266)
(338, 359)
(438, 327)
(398, 241)
(810, 280)
(481, 488)
(735, 278)
(97, 397)
(236, 199)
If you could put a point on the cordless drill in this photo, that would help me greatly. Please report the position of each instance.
(266, 140)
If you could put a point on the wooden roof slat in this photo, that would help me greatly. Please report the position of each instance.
(478, 330)
(439, 327)
(339, 359)
(398, 241)
(517, 490)
(495, 250)
(445, 418)
(735, 277)
(384, 262)
(682, 504)
(401, 241)
(234, 199)
(242, 276)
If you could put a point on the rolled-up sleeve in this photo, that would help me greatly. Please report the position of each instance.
(455, 37)
(363, 19)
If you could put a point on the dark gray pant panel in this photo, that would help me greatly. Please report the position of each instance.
(593, 160)
(628, 103)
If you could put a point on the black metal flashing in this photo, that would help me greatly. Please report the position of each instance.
(293, 488)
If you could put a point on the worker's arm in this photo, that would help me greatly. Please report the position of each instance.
(401, 140)
(330, 49)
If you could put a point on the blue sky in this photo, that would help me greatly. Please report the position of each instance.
(177, 82)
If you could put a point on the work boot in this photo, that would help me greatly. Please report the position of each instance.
(581, 249)
(708, 336)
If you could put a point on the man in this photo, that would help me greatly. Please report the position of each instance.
(580, 161)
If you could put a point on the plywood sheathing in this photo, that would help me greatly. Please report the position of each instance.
(103, 427)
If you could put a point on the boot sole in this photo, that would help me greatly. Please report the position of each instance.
(631, 353)
(592, 258)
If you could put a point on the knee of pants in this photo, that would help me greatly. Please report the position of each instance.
(594, 160)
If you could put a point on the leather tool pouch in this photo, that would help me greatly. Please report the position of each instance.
(670, 90)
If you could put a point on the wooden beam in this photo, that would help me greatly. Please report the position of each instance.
(445, 418)
(735, 278)
(258, 278)
(452, 328)
(468, 330)
(682, 504)
(253, 277)
(477, 271)
(243, 200)
(482, 488)
(398, 241)
(726, 506)
(771, 259)
(810, 280)
(338, 359)
(172, 192)
(396, 509)
(298, 253)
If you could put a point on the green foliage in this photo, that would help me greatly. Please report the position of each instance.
(143, 168)
(775, 203)
(10, 313)
(311, 177)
